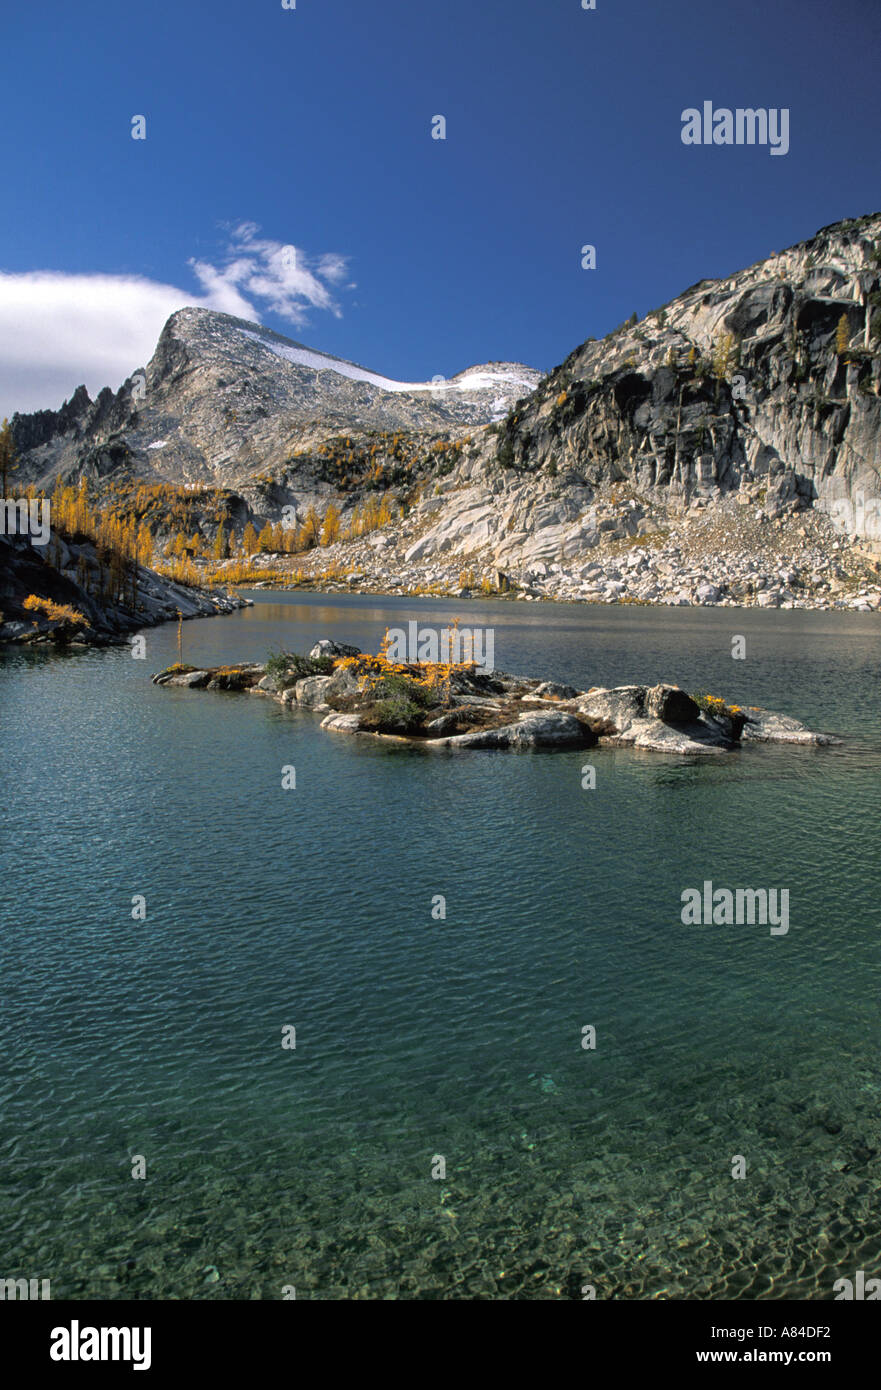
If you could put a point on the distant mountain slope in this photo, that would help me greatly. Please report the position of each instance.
(764, 385)
(223, 399)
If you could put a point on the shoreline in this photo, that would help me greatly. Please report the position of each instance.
(515, 595)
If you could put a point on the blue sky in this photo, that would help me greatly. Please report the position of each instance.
(416, 257)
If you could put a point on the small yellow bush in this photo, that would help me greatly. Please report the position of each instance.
(55, 612)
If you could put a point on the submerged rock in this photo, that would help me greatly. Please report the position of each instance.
(762, 726)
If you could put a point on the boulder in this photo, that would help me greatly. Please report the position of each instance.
(552, 690)
(537, 729)
(342, 723)
(193, 680)
(632, 716)
(328, 648)
(619, 707)
(762, 726)
(441, 726)
(310, 692)
(653, 735)
(670, 704)
(341, 685)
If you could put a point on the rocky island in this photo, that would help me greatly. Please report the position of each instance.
(456, 705)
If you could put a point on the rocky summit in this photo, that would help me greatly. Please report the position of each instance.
(223, 401)
(724, 449)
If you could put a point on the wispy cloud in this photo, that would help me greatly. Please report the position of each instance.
(57, 330)
(286, 281)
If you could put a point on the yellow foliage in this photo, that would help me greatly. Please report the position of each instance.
(330, 526)
(55, 612)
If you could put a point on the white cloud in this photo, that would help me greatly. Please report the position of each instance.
(289, 282)
(57, 330)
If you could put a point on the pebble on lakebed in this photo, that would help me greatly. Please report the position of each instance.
(459, 706)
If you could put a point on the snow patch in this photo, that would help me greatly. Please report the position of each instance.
(476, 380)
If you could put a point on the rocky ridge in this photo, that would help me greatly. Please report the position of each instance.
(223, 400)
(733, 553)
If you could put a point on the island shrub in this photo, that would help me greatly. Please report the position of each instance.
(402, 689)
(286, 668)
(715, 705)
(397, 714)
(398, 703)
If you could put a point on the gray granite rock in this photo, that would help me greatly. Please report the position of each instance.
(311, 692)
(342, 723)
(762, 726)
(325, 647)
(537, 729)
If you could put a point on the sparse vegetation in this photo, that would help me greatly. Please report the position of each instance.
(715, 705)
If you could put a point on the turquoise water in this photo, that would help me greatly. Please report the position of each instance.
(415, 1038)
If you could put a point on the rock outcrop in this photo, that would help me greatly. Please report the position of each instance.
(74, 582)
(469, 710)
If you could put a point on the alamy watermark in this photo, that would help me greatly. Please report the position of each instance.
(76, 1343)
(449, 645)
(743, 126)
(859, 514)
(859, 1289)
(25, 1289)
(720, 907)
(24, 516)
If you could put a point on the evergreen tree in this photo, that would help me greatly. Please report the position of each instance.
(722, 356)
(842, 336)
(249, 540)
(7, 454)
